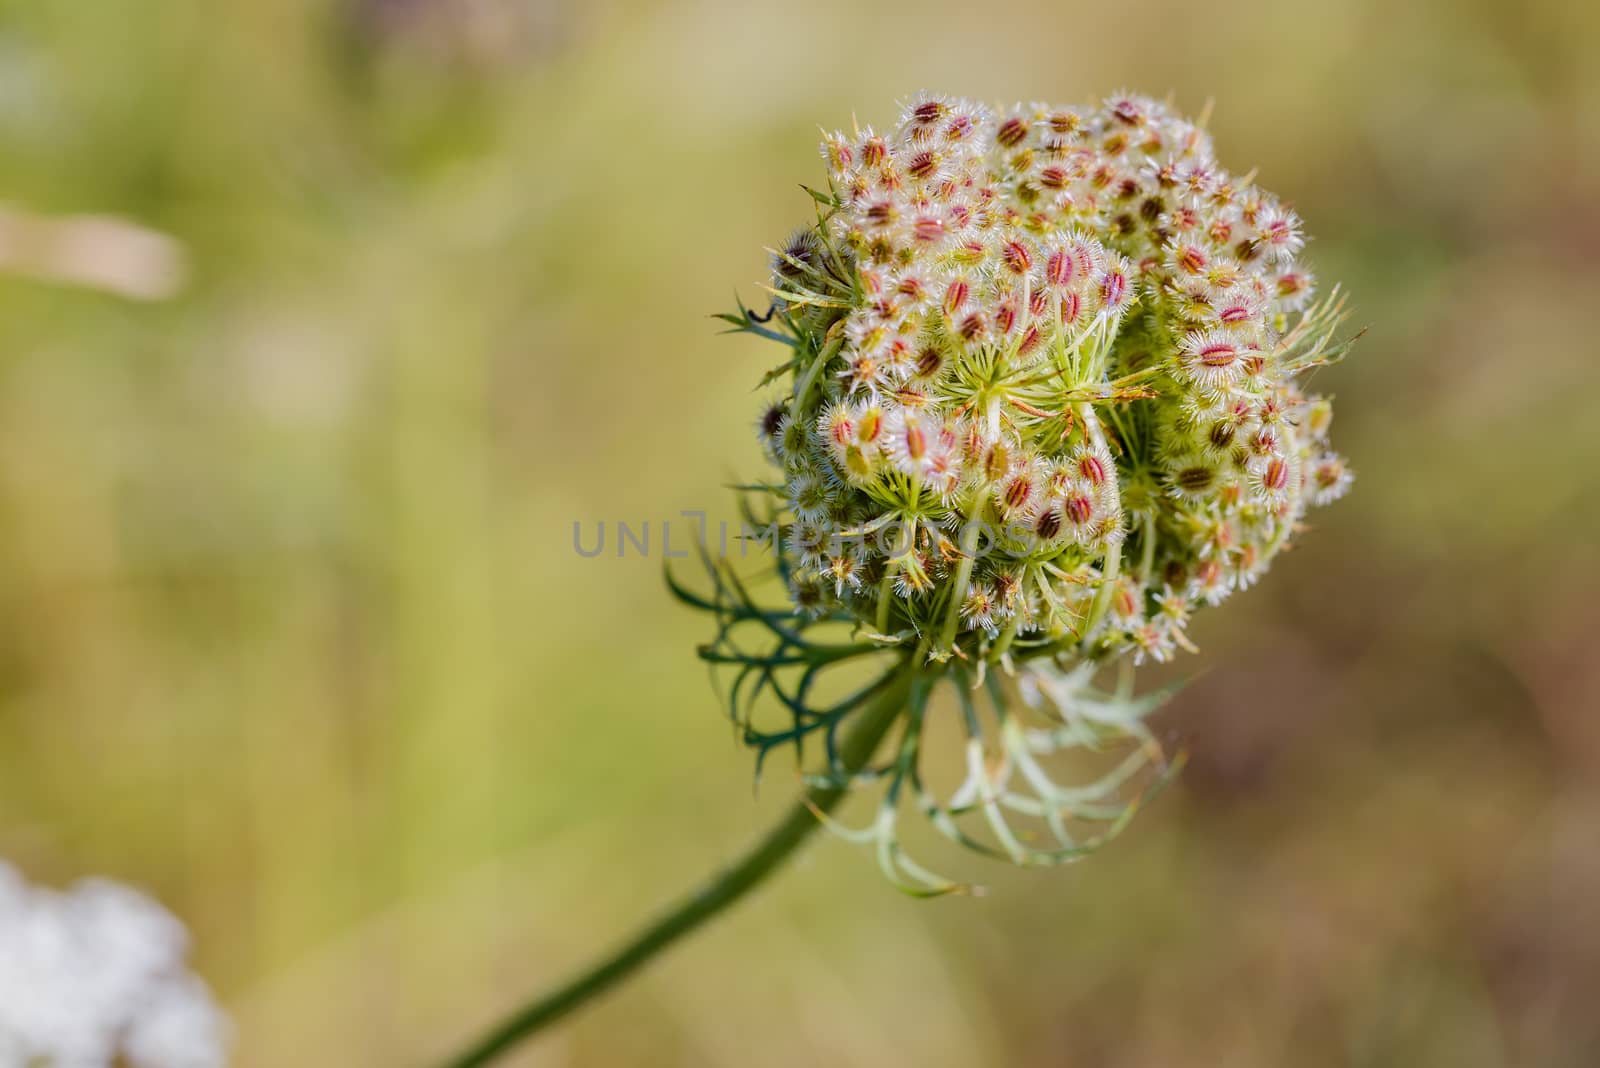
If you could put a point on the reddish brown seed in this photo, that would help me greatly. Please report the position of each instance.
(995, 461)
(1217, 355)
(955, 295)
(1018, 490)
(1011, 132)
(929, 111)
(1071, 308)
(1030, 341)
(1113, 288)
(1276, 476)
(1005, 319)
(1079, 509)
(1092, 470)
(1016, 257)
(929, 360)
(1048, 525)
(1196, 479)
(1058, 268)
(922, 165)
(916, 441)
(1193, 259)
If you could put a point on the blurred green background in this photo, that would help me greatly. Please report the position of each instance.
(295, 637)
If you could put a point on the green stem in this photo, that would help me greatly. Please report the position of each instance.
(1007, 636)
(872, 723)
(958, 590)
(1148, 562)
(1102, 596)
(802, 387)
(885, 592)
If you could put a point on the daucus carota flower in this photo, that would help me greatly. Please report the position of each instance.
(1070, 327)
(1044, 401)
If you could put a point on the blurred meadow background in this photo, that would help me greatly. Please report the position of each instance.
(295, 636)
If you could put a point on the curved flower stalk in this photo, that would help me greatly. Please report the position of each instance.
(1042, 397)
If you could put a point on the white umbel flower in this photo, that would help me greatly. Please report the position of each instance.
(96, 976)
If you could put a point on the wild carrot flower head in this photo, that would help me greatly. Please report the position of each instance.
(1045, 399)
(1055, 350)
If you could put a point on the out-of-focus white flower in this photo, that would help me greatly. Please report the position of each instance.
(96, 976)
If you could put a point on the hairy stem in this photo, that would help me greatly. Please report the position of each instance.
(872, 723)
